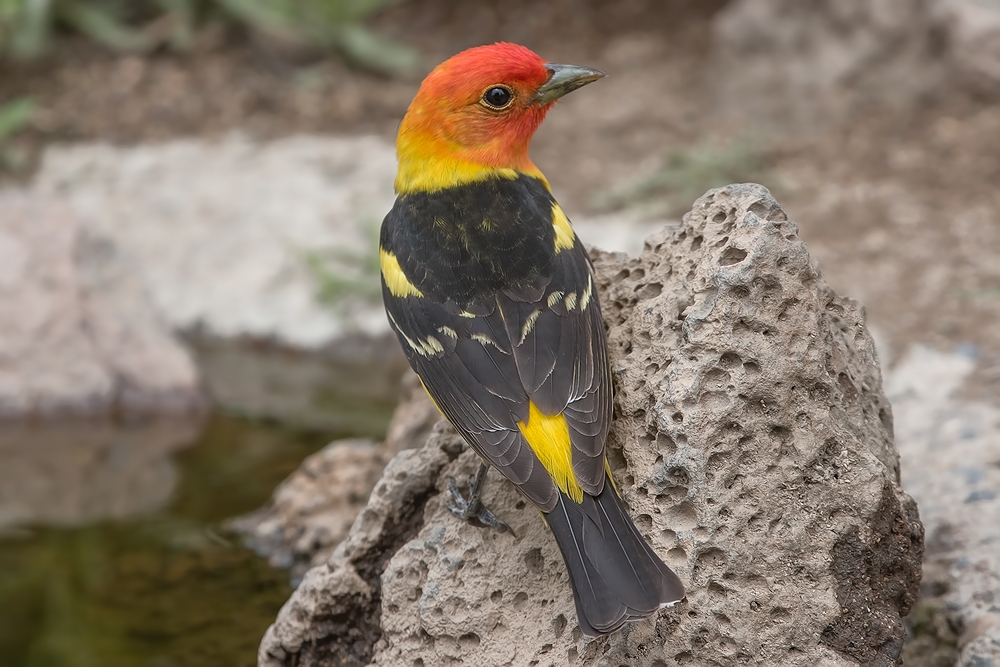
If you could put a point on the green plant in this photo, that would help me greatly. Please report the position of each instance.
(334, 24)
(342, 275)
(686, 174)
(27, 27)
(14, 116)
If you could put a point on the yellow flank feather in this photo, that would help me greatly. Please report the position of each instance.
(397, 282)
(426, 391)
(565, 236)
(548, 436)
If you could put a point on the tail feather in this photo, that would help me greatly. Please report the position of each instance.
(616, 577)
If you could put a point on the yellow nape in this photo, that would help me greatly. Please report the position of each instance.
(434, 176)
(424, 166)
(397, 282)
(548, 437)
(565, 236)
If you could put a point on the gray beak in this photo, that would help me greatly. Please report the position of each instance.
(565, 79)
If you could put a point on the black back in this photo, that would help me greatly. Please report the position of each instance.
(481, 238)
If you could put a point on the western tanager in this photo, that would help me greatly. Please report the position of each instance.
(492, 297)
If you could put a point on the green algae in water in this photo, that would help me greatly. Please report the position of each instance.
(166, 590)
(109, 596)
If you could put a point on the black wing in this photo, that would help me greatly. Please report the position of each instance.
(482, 363)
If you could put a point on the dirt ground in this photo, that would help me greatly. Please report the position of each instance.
(901, 209)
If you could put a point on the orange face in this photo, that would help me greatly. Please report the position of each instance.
(479, 106)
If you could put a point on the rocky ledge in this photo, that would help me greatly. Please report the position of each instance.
(752, 442)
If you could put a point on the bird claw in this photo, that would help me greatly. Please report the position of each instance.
(473, 508)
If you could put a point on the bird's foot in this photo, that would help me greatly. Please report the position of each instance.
(473, 508)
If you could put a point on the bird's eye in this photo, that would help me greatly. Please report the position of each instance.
(497, 97)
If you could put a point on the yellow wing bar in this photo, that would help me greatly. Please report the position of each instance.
(565, 236)
(397, 282)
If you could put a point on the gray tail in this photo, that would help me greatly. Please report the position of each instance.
(615, 576)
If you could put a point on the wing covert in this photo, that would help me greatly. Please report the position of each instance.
(562, 357)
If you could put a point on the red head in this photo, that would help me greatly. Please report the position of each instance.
(476, 112)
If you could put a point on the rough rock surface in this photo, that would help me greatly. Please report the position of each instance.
(752, 442)
(950, 453)
(220, 232)
(311, 512)
(413, 420)
(76, 333)
(833, 58)
(333, 616)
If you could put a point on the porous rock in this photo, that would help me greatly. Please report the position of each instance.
(333, 616)
(753, 444)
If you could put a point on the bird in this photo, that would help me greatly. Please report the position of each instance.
(492, 297)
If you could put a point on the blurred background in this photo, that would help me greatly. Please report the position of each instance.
(190, 192)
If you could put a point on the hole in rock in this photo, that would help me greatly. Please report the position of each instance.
(534, 560)
(732, 255)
